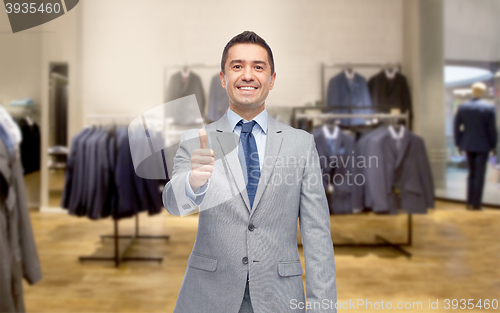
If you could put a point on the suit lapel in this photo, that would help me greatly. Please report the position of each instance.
(404, 146)
(391, 83)
(273, 145)
(325, 149)
(228, 143)
(345, 83)
(338, 143)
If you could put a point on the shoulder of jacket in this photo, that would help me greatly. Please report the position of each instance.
(416, 137)
(289, 130)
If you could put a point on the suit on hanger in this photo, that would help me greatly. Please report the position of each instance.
(30, 146)
(18, 253)
(343, 93)
(235, 240)
(338, 170)
(179, 88)
(400, 177)
(387, 94)
(71, 172)
(77, 199)
(475, 133)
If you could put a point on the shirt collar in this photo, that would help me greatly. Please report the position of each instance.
(261, 119)
(332, 135)
(394, 134)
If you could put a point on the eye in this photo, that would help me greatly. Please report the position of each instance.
(259, 67)
(237, 66)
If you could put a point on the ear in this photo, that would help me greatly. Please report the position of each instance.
(222, 80)
(273, 77)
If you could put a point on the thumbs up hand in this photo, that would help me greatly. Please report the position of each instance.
(202, 163)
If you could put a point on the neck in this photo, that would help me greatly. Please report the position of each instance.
(247, 113)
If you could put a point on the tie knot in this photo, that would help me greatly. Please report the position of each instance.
(247, 127)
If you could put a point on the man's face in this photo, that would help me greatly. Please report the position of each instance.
(248, 76)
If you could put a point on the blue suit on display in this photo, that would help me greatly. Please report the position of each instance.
(343, 92)
(476, 134)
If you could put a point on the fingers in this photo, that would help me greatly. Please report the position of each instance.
(204, 152)
(202, 162)
(202, 159)
(203, 138)
(203, 168)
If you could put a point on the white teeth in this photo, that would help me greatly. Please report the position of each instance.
(248, 88)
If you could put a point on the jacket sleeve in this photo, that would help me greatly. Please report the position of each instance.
(174, 194)
(31, 264)
(314, 222)
(407, 105)
(492, 130)
(425, 174)
(456, 128)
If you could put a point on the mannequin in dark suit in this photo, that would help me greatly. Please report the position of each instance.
(336, 152)
(476, 134)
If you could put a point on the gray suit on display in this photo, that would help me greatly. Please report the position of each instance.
(18, 253)
(235, 240)
(179, 88)
(402, 177)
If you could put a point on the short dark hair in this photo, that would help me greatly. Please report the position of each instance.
(247, 37)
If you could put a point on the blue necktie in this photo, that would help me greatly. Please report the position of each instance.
(331, 143)
(251, 158)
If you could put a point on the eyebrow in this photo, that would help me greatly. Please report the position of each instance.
(241, 61)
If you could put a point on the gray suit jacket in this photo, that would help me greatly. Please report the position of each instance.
(18, 253)
(407, 170)
(234, 239)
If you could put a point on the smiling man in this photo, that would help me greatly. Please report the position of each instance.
(258, 179)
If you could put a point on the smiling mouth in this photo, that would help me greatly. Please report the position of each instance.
(247, 88)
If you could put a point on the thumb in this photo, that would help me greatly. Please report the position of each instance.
(203, 138)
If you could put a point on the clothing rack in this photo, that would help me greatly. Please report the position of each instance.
(346, 65)
(189, 66)
(118, 257)
(331, 116)
(381, 241)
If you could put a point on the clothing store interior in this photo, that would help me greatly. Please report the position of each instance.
(415, 83)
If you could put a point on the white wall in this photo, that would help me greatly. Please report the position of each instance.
(19, 63)
(472, 30)
(20, 77)
(127, 43)
(61, 42)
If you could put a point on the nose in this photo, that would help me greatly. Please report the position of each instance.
(247, 74)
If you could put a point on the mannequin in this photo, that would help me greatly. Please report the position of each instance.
(185, 73)
(390, 72)
(349, 73)
(475, 133)
(478, 90)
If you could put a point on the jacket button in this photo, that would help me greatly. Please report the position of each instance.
(245, 260)
(251, 227)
